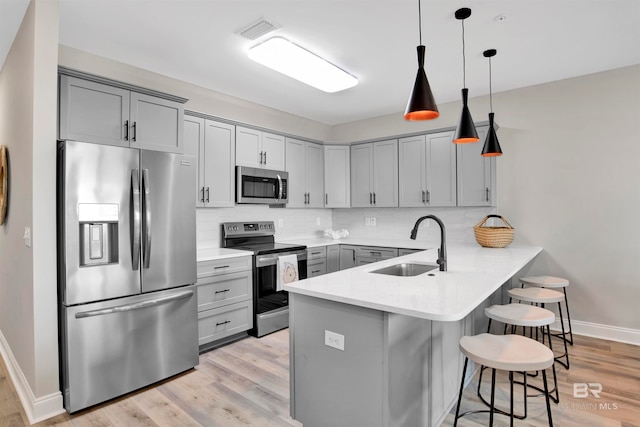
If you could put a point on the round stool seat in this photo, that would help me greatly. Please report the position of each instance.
(536, 295)
(507, 352)
(520, 315)
(545, 281)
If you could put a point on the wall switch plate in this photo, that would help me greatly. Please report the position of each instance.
(373, 221)
(334, 340)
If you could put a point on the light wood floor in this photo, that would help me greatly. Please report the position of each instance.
(247, 384)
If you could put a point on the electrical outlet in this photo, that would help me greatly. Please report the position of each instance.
(373, 221)
(27, 237)
(280, 222)
(334, 340)
(367, 221)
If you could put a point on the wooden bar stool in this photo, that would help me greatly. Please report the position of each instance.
(543, 296)
(552, 282)
(526, 316)
(512, 353)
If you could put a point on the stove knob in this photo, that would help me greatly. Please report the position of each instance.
(261, 226)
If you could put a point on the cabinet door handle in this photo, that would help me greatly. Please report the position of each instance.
(370, 198)
(428, 197)
(487, 193)
(222, 291)
(308, 198)
(260, 161)
(423, 197)
(126, 130)
(374, 198)
(134, 131)
(207, 194)
(265, 157)
(326, 198)
(202, 198)
(223, 323)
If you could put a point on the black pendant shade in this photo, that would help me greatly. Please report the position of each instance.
(466, 130)
(491, 145)
(421, 105)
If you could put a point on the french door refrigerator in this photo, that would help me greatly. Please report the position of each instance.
(126, 269)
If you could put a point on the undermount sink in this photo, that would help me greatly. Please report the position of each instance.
(406, 269)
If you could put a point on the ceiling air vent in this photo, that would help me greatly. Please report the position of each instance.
(258, 29)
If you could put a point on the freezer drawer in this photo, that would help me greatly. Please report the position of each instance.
(114, 347)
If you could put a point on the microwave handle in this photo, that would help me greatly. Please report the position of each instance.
(279, 187)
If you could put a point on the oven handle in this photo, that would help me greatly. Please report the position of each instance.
(267, 260)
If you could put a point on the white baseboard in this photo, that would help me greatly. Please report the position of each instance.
(36, 408)
(605, 332)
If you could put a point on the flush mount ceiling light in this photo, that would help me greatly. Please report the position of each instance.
(421, 105)
(466, 130)
(491, 145)
(288, 58)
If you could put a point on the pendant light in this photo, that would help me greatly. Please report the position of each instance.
(421, 105)
(491, 145)
(466, 130)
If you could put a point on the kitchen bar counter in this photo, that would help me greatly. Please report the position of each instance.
(474, 273)
(377, 350)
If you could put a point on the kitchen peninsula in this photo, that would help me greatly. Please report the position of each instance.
(371, 349)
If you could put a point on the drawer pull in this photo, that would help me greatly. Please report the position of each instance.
(315, 271)
(223, 323)
(316, 253)
(220, 267)
(222, 291)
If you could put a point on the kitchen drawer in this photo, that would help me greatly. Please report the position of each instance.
(223, 322)
(224, 266)
(317, 268)
(376, 252)
(316, 253)
(216, 291)
(404, 251)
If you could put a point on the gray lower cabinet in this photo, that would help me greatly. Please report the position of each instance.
(347, 256)
(316, 261)
(371, 254)
(108, 112)
(333, 258)
(225, 299)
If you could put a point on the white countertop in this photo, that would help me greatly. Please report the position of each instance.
(211, 254)
(474, 273)
(315, 242)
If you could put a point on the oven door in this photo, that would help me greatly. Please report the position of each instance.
(266, 296)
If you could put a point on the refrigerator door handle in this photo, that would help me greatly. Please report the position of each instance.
(146, 221)
(135, 306)
(134, 226)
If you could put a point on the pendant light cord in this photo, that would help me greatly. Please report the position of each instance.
(490, 89)
(420, 22)
(464, 61)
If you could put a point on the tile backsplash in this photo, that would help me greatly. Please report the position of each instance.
(391, 223)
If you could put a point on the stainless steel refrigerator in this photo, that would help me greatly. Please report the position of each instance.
(126, 269)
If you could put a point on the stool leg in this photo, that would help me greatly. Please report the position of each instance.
(546, 396)
(511, 398)
(553, 367)
(493, 395)
(464, 374)
(566, 303)
(564, 338)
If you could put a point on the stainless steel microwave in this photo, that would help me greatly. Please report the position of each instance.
(261, 186)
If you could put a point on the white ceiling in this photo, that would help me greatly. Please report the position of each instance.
(375, 40)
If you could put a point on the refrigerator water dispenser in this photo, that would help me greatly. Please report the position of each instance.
(98, 233)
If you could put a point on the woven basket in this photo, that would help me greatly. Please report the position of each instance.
(493, 237)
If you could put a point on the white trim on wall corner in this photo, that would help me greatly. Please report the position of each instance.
(37, 409)
(605, 332)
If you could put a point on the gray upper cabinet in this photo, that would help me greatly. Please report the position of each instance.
(337, 170)
(304, 162)
(476, 175)
(427, 170)
(374, 174)
(259, 149)
(214, 145)
(94, 111)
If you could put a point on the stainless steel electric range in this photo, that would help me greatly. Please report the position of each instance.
(271, 307)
